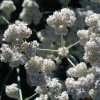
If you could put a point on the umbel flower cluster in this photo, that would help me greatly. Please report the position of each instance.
(61, 20)
(41, 59)
(7, 6)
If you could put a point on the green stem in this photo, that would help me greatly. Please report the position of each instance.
(71, 62)
(55, 51)
(62, 41)
(66, 3)
(35, 51)
(30, 97)
(5, 19)
(48, 50)
(19, 85)
(72, 45)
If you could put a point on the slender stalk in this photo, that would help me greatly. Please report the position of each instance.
(35, 51)
(66, 3)
(72, 45)
(71, 62)
(48, 50)
(32, 96)
(5, 19)
(62, 40)
(62, 44)
(19, 85)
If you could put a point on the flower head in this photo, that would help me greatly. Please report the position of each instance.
(12, 91)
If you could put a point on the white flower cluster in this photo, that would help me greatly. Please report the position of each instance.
(38, 90)
(34, 63)
(84, 36)
(36, 69)
(92, 51)
(97, 85)
(54, 86)
(92, 93)
(53, 89)
(95, 92)
(86, 84)
(17, 59)
(18, 55)
(16, 51)
(30, 12)
(42, 97)
(17, 32)
(90, 38)
(12, 91)
(7, 6)
(35, 44)
(63, 96)
(38, 63)
(13, 57)
(83, 82)
(92, 20)
(61, 20)
(63, 51)
(78, 71)
(6, 53)
(48, 65)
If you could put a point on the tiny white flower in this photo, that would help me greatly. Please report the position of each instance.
(12, 91)
(40, 36)
(42, 97)
(6, 54)
(35, 44)
(92, 19)
(54, 86)
(38, 90)
(92, 50)
(88, 81)
(48, 65)
(92, 93)
(91, 70)
(97, 84)
(34, 63)
(83, 81)
(72, 72)
(78, 71)
(69, 83)
(7, 6)
(63, 96)
(84, 36)
(17, 60)
(63, 51)
(30, 12)
(90, 78)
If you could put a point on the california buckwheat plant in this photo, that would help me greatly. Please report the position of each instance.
(49, 50)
